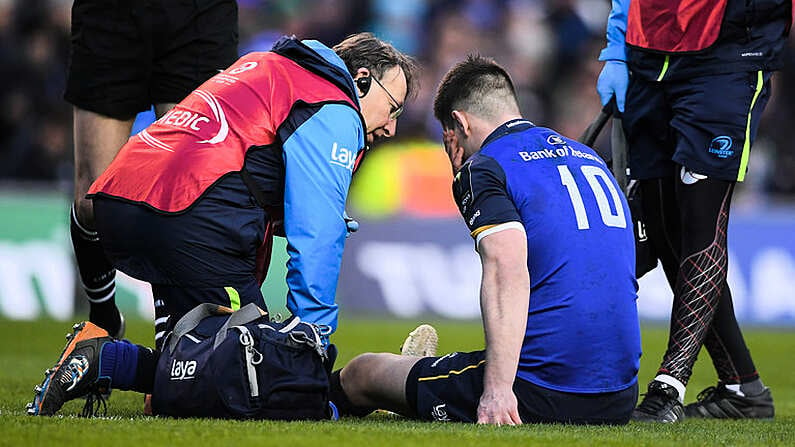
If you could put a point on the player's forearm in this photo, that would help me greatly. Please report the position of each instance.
(505, 291)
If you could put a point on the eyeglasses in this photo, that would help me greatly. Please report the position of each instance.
(396, 109)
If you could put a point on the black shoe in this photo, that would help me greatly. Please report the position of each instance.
(660, 404)
(721, 403)
(75, 374)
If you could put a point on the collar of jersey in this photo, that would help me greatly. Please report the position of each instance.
(514, 125)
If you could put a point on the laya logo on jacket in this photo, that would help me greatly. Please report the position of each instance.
(341, 156)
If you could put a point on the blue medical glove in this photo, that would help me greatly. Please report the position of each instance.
(613, 81)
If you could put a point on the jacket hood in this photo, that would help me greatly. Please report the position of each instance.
(319, 59)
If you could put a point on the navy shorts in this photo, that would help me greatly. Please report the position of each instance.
(204, 255)
(129, 54)
(706, 124)
(448, 389)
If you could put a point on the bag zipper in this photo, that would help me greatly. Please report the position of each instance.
(253, 358)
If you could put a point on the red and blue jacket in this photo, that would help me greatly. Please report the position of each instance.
(287, 122)
(678, 39)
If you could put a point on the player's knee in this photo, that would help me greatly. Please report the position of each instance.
(358, 376)
(84, 209)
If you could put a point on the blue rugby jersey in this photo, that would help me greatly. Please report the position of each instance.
(582, 332)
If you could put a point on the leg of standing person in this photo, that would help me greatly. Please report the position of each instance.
(702, 295)
(106, 83)
(702, 310)
(723, 339)
(704, 212)
(740, 392)
(154, 53)
(97, 140)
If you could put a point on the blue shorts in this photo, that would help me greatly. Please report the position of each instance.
(448, 389)
(706, 124)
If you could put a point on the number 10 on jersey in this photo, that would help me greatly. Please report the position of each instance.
(592, 174)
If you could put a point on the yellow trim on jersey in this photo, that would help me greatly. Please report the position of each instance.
(482, 229)
(447, 376)
(760, 82)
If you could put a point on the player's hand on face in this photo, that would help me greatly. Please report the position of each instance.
(453, 149)
(450, 140)
(498, 407)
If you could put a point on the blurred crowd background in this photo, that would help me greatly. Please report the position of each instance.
(549, 46)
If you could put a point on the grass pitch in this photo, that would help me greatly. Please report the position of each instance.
(27, 348)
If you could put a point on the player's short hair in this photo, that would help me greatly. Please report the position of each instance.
(477, 85)
(364, 50)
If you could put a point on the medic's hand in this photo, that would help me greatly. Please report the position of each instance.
(498, 406)
(613, 81)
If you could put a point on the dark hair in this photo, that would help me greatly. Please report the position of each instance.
(364, 50)
(477, 85)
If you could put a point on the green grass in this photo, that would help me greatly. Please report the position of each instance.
(27, 348)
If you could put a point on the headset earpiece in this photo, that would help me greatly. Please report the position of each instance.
(364, 85)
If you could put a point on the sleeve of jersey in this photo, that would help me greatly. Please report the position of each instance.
(616, 32)
(482, 196)
(318, 160)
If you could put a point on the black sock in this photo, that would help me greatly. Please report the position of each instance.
(340, 399)
(97, 275)
(145, 373)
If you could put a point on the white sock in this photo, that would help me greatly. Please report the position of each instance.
(735, 388)
(674, 382)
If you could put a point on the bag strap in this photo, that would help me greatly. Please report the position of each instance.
(246, 314)
(190, 320)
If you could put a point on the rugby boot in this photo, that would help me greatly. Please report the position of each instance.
(75, 374)
(421, 342)
(719, 402)
(659, 404)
